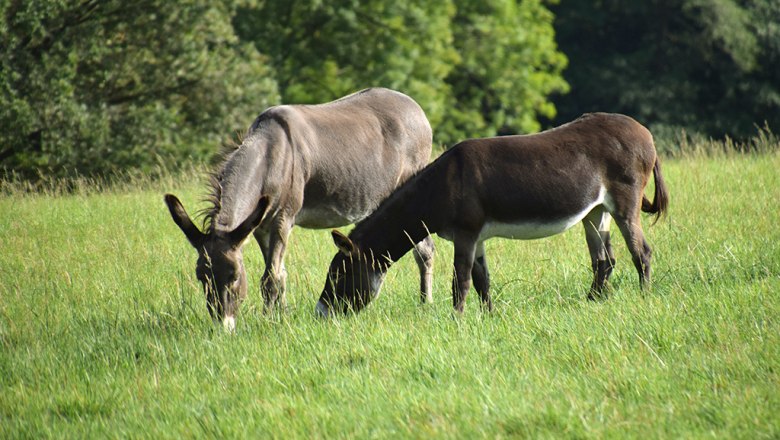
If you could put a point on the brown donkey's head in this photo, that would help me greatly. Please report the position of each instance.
(220, 267)
(354, 279)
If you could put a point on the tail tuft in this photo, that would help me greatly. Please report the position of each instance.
(660, 204)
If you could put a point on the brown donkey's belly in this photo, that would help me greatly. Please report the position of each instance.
(536, 228)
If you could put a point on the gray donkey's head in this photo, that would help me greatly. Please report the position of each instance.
(220, 267)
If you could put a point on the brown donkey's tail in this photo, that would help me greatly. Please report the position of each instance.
(661, 198)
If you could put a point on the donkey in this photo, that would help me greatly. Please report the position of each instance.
(316, 166)
(521, 187)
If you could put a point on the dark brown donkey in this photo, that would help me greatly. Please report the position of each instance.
(316, 166)
(520, 187)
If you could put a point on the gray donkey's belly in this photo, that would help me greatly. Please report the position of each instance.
(345, 205)
(322, 217)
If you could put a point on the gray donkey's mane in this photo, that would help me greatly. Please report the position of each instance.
(213, 197)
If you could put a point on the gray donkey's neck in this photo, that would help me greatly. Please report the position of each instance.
(240, 183)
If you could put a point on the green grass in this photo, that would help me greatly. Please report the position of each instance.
(104, 330)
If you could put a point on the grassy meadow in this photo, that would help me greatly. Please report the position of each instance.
(104, 330)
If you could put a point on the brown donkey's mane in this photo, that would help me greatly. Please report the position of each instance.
(419, 186)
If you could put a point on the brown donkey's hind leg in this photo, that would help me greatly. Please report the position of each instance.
(465, 248)
(631, 228)
(423, 255)
(602, 259)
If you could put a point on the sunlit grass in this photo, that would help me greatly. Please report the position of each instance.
(104, 330)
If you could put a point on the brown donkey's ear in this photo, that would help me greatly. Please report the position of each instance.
(181, 218)
(253, 221)
(345, 245)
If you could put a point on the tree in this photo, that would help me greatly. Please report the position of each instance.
(709, 66)
(476, 68)
(325, 50)
(89, 85)
(509, 66)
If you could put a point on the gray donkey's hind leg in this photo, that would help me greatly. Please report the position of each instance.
(423, 255)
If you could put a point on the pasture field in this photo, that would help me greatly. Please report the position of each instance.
(104, 330)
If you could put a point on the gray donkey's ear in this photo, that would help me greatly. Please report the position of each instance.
(248, 226)
(180, 217)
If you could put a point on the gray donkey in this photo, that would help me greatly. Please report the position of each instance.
(316, 166)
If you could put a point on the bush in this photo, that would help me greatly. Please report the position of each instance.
(90, 87)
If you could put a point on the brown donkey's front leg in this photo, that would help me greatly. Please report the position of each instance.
(481, 277)
(464, 262)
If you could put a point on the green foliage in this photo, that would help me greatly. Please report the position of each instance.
(476, 68)
(104, 330)
(90, 86)
(709, 66)
(509, 67)
(87, 86)
(324, 50)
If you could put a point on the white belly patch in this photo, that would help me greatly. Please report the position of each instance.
(537, 229)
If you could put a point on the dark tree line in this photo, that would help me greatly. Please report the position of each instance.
(707, 66)
(90, 86)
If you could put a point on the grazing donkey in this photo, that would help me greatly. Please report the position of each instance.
(316, 166)
(522, 187)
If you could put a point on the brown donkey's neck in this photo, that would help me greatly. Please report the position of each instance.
(410, 214)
